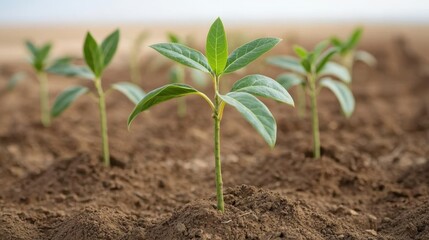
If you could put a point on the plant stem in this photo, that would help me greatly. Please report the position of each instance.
(103, 120)
(181, 108)
(216, 117)
(315, 117)
(44, 98)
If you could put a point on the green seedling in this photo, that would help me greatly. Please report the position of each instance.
(97, 58)
(39, 62)
(13, 81)
(348, 53)
(178, 74)
(312, 71)
(217, 63)
(135, 57)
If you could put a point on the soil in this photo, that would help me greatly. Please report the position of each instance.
(372, 181)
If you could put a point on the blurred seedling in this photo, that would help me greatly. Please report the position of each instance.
(348, 54)
(39, 61)
(178, 75)
(311, 71)
(217, 63)
(13, 81)
(97, 58)
(135, 57)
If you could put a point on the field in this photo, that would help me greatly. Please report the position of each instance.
(371, 182)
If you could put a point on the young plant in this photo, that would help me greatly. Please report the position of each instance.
(97, 58)
(348, 53)
(39, 61)
(135, 57)
(312, 71)
(13, 81)
(178, 73)
(217, 63)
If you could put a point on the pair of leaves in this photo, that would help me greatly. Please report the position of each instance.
(241, 97)
(68, 96)
(340, 90)
(38, 55)
(97, 57)
(351, 43)
(217, 62)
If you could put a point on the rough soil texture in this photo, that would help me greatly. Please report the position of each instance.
(372, 181)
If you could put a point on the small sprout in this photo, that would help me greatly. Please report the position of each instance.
(39, 61)
(14, 80)
(97, 58)
(135, 57)
(348, 53)
(217, 63)
(311, 71)
(178, 75)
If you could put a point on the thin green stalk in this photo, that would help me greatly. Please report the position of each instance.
(315, 117)
(103, 120)
(216, 117)
(181, 108)
(44, 98)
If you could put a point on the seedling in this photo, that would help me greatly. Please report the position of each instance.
(39, 61)
(312, 71)
(97, 58)
(178, 73)
(242, 95)
(135, 57)
(348, 53)
(13, 81)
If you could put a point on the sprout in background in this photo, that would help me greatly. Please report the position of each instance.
(311, 71)
(348, 53)
(135, 57)
(97, 58)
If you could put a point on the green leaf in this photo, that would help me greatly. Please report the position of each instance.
(263, 86)
(318, 49)
(163, 94)
(255, 112)
(173, 38)
(326, 56)
(300, 51)
(287, 62)
(130, 90)
(248, 52)
(343, 94)
(336, 42)
(63, 101)
(288, 80)
(217, 47)
(44, 52)
(14, 80)
(32, 49)
(70, 70)
(354, 38)
(306, 63)
(184, 55)
(93, 55)
(365, 57)
(336, 70)
(109, 46)
(177, 74)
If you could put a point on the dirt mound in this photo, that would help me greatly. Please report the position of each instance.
(90, 223)
(412, 224)
(253, 213)
(12, 227)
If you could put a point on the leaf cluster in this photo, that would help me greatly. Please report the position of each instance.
(97, 58)
(217, 62)
(316, 66)
(38, 55)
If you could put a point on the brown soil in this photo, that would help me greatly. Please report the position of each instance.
(371, 183)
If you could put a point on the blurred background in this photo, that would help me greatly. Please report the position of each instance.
(65, 22)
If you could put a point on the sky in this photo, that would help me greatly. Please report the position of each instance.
(55, 12)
